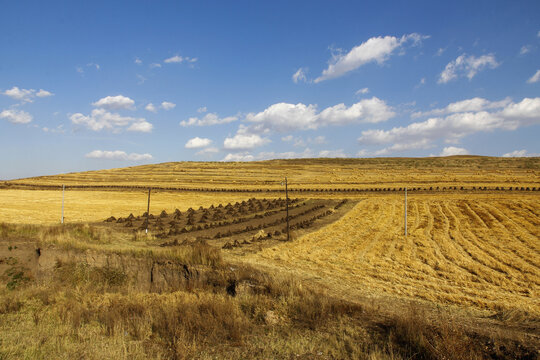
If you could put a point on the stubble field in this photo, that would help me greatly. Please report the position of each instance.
(469, 265)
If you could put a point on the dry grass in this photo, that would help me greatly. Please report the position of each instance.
(316, 173)
(474, 252)
(86, 312)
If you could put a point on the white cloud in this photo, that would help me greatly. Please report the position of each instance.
(283, 117)
(178, 59)
(117, 155)
(150, 107)
(520, 153)
(525, 49)
(138, 61)
(115, 103)
(535, 78)
(207, 120)
(26, 95)
(474, 104)
(456, 126)
(101, 119)
(299, 75)
(239, 157)
(207, 151)
(20, 94)
(44, 93)
(244, 142)
(376, 49)
(16, 116)
(174, 59)
(362, 91)
(467, 66)
(452, 150)
(319, 140)
(538, 34)
(371, 110)
(168, 105)
(202, 109)
(141, 126)
(332, 154)
(155, 65)
(197, 143)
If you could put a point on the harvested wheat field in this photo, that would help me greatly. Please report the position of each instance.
(479, 252)
(216, 278)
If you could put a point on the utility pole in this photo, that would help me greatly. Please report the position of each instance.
(148, 210)
(287, 206)
(63, 191)
(405, 212)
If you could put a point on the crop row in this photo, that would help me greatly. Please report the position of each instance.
(230, 190)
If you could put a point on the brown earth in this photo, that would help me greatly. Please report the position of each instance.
(249, 225)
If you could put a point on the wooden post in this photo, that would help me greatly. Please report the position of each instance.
(405, 212)
(148, 210)
(287, 206)
(63, 191)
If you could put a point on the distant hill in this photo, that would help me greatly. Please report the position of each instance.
(310, 173)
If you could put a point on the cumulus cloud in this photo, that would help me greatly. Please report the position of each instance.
(151, 107)
(101, 119)
(520, 153)
(155, 65)
(16, 116)
(141, 126)
(244, 142)
(26, 95)
(202, 109)
(535, 78)
(138, 61)
(168, 105)
(376, 49)
(208, 120)
(452, 150)
(453, 127)
(284, 117)
(467, 66)
(239, 157)
(474, 104)
(117, 155)
(299, 75)
(115, 103)
(197, 143)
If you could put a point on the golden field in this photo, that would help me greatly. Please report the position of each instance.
(480, 252)
(463, 284)
(314, 174)
(45, 206)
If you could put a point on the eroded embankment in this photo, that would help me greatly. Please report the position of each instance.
(24, 261)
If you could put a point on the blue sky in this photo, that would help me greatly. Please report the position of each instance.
(92, 85)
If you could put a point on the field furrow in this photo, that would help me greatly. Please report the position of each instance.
(458, 251)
